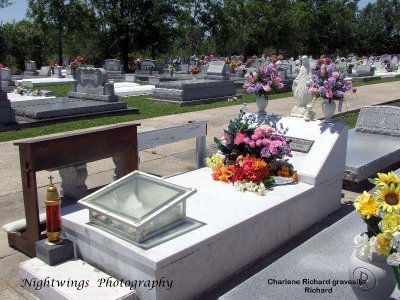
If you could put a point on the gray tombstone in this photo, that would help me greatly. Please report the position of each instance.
(7, 113)
(380, 120)
(184, 68)
(393, 63)
(217, 70)
(30, 65)
(364, 70)
(112, 65)
(30, 68)
(91, 83)
(286, 67)
(58, 72)
(6, 81)
(45, 71)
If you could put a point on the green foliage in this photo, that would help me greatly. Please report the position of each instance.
(126, 29)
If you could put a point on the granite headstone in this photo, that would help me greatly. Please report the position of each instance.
(30, 68)
(217, 70)
(91, 83)
(113, 65)
(380, 120)
(7, 113)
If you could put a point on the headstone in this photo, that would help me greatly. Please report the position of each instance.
(7, 113)
(148, 65)
(378, 129)
(393, 63)
(217, 70)
(45, 71)
(235, 58)
(380, 120)
(113, 65)
(91, 83)
(379, 67)
(6, 81)
(364, 70)
(286, 67)
(30, 68)
(184, 68)
(58, 72)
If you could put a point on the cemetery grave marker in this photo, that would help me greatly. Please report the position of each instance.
(217, 70)
(378, 130)
(30, 68)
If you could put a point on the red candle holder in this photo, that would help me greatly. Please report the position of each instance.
(53, 214)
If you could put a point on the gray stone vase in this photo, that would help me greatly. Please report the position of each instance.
(378, 278)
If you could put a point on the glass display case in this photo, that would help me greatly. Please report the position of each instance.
(138, 206)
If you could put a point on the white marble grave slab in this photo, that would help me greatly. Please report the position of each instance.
(34, 82)
(132, 89)
(239, 227)
(71, 280)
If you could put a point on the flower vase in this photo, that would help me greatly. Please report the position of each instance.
(376, 279)
(262, 103)
(328, 108)
(73, 73)
(193, 77)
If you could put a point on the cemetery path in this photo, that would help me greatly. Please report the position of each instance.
(164, 160)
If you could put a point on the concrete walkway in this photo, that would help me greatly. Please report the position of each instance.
(165, 160)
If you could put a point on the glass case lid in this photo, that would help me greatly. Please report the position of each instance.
(136, 198)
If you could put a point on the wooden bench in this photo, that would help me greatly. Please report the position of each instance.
(66, 150)
(65, 153)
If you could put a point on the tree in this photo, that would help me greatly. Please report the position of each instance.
(58, 18)
(5, 3)
(135, 24)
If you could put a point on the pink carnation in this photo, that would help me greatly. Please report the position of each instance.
(240, 138)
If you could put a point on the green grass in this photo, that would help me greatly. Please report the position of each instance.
(59, 90)
(384, 80)
(147, 109)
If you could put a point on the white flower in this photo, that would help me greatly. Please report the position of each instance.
(363, 247)
(396, 240)
(394, 259)
(258, 189)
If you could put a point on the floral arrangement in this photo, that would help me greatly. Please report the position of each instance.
(250, 153)
(170, 68)
(138, 61)
(233, 65)
(330, 83)
(27, 92)
(2, 66)
(381, 213)
(194, 70)
(263, 81)
(77, 62)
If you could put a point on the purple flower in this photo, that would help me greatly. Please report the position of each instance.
(331, 81)
(265, 153)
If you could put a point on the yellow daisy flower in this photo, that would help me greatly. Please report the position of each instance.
(386, 179)
(389, 198)
(366, 205)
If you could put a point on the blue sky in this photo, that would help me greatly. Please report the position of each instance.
(18, 9)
